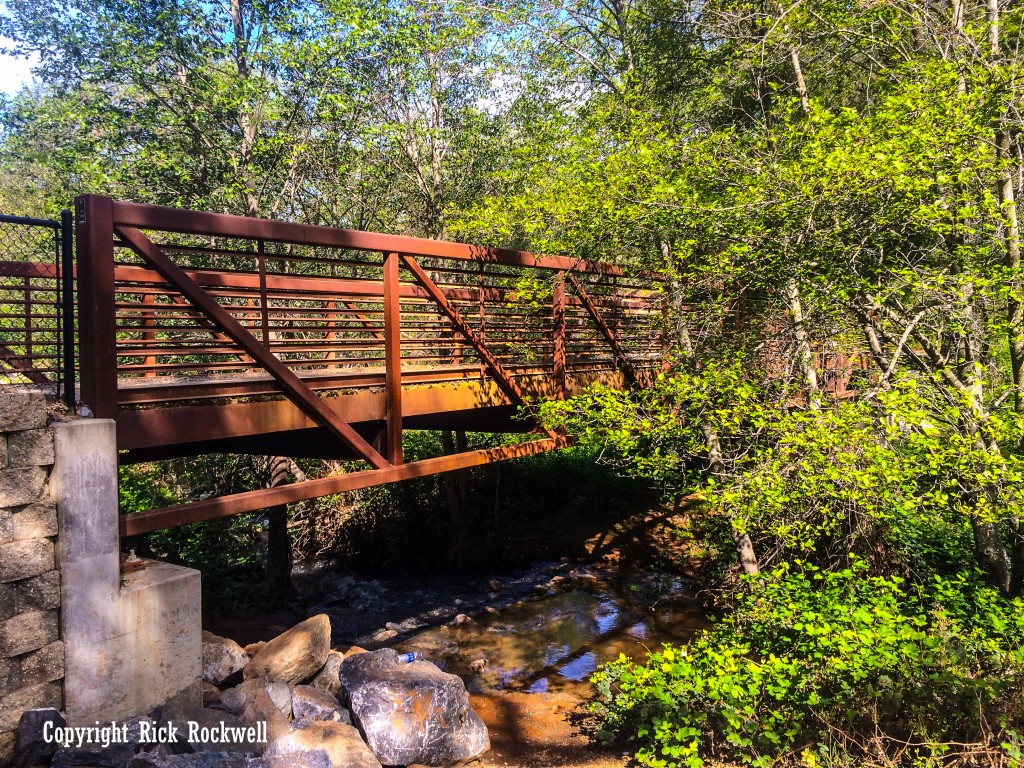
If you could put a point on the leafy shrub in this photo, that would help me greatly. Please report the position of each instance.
(811, 660)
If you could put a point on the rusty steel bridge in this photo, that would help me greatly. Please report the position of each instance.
(202, 332)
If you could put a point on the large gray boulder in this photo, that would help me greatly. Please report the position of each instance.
(411, 712)
(222, 657)
(296, 655)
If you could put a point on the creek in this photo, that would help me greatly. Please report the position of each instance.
(544, 629)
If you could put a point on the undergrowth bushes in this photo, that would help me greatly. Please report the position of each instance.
(825, 667)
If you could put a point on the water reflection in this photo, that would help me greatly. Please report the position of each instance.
(580, 668)
(555, 643)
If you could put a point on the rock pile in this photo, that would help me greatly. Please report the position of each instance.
(290, 703)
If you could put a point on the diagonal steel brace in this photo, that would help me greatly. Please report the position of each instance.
(296, 389)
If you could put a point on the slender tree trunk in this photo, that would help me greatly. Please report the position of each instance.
(741, 539)
(1011, 225)
(455, 487)
(1014, 309)
(279, 546)
(1017, 557)
(801, 84)
(989, 548)
(804, 356)
(991, 554)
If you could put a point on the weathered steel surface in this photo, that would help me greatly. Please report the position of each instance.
(393, 358)
(141, 429)
(602, 326)
(97, 333)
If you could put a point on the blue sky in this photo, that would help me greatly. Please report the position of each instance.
(13, 72)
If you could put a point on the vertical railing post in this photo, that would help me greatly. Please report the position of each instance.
(27, 295)
(261, 261)
(94, 229)
(393, 358)
(481, 288)
(558, 333)
(149, 334)
(332, 334)
(67, 311)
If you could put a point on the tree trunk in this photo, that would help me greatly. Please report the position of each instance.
(741, 539)
(455, 487)
(991, 554)
(801, 84)
(279, 546)
(1016, 557)
(804, 356)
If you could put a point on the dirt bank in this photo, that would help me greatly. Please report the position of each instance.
(532, 730)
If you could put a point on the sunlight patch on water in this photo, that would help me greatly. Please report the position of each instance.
(556, 643)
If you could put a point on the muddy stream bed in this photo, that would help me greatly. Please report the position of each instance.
(525, 642)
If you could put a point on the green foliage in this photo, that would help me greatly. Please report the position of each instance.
(812, 661)
(229, 553)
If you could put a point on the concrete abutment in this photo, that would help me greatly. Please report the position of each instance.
(76, 634)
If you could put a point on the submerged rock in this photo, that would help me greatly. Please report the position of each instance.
(411, 712)
(318, 758)
(112, 756)
(296, 655)
(200, 760)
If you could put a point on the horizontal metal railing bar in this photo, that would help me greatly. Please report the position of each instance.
(213, 224)
(30, 221)
(307, 288)
(26, 269)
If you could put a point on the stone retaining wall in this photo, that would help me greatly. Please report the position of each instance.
(31, 651)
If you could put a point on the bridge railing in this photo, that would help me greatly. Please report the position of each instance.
(182, 305)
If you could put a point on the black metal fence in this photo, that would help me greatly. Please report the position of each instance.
(37, 306)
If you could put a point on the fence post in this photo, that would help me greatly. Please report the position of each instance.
(67, 297)
(94, 230)
(393, 358)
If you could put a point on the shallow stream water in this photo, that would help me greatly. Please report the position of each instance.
(555, 642)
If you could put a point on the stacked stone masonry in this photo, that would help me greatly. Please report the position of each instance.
(31, 652)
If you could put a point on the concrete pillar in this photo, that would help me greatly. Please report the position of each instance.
(130, 645)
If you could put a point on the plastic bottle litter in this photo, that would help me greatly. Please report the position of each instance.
(408, 658)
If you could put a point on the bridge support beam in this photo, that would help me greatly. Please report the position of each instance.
(132, 642)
